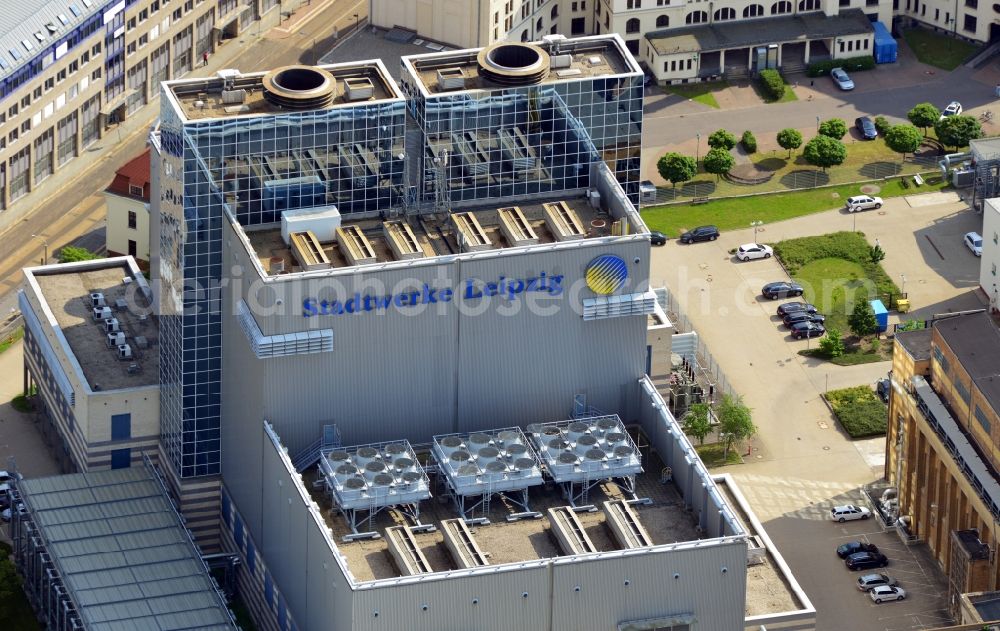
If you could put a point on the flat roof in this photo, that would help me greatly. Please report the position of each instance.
(123, 552)
(666, 521)
(975, 341)
(917, 343)
(985, 148)
(66, 289)
(589, 57)
(203, 98)
(435, 234)
(759, 31)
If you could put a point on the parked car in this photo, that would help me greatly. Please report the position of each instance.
(749, 251)
(886, 593)
(789, 307)
(871, 581)
(807, 329)
(6, 513)
(954, 109)
(802, 316)
(853, 547)
(865, 561)
(882, 387)
(781, 289)
(866, 127)
(841, 79)
(862, 202)
(657, 238)
(974, 242)
(701, 233)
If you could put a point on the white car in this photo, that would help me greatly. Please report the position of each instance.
(974, 242)
(841, 79)
(954, 109)
(849, 512)
(862, 202)
(887, 592)
(749, 251)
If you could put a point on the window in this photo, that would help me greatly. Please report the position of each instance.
(96, 49)
(845, 3)
(996, 236)
(143, 15)
(753, 11)
(575, 6)
(632, 26)
(177, 15)
(554, 13)
(970, 24)
(937, 12)
(131, 24)
(496, 17)
(25, 101)
(251, 557)
(12, 112)
(972, 4)
(25, 126)
(963, 392)
(36, 93)
(73, 66)
(538, 24)
(130, 49)
(121, 426)
(725, 13)
(50, 83)
(132, 248)
(96, 74)
(983, 421)
(121, 458)
(994, 270)
(153, 8)
(696, 17)
(143, 39)
(633, 4)
(268, 590)
(577, 26)
(784, 6)
(809, 5)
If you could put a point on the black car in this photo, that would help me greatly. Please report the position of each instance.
(657, 238)
(866, 127)
(790, 307)
(853, 547)
(865, 560)
(701, 233)
(803, 316)
(807, 329)
(781, 289)
(882, 389)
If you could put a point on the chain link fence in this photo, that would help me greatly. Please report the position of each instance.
(805, 178)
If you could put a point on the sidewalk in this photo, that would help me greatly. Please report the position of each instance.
(19, 437)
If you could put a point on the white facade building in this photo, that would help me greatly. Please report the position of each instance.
(990, 261)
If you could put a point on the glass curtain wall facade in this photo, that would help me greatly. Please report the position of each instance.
(527, 140)
(253, 167)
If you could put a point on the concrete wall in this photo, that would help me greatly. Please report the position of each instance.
(989, 265)
(464, 23)
(118, 233)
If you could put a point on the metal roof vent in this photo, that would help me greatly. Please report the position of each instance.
(513, 64)
(451, 78)
(358, 88)
(300, 87)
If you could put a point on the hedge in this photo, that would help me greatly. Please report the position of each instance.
(772, 84)
(882, 124)
(859, 411)
(851, 64)
(749, 142)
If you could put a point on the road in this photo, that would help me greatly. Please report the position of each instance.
(76, 207)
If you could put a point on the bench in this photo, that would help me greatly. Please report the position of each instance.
(700, 200)
(919, 181)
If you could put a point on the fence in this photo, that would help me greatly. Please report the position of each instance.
(806, 178)
(708, 369)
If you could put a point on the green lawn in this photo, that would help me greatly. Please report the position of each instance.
(938, 50)
(828, 282)
(737, 212)
(858, 410)
(712, 455)
(11, 339)
(854, 354)
(703, 92)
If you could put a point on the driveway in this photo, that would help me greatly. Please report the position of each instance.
(801, 461)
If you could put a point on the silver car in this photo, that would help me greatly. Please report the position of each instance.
(862, 202)
(841, 79)
(869, 582)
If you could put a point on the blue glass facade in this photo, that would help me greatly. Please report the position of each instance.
(255, 167)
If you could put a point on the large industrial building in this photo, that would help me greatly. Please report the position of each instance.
(414, 394)
(942, 450)
(69, 69)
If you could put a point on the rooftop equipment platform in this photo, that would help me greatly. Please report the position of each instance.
(373, 477)
(482, 464)
(581, 453)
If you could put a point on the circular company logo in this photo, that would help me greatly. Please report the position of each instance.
(606, 274)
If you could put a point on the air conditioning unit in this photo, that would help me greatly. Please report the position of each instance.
(124, 351)
(116, 339)
(97, 299)
(102, 313)
(111, 326)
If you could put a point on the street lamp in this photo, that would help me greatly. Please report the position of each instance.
(817, 123)
(697, 150)
(755, 225)
(902, 288)
(357, 23)
(45, 244)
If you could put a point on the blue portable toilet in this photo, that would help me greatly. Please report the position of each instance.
(881, 315)
(885, 46)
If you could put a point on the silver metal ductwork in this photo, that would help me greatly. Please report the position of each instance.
(300, 87)
(513, 64)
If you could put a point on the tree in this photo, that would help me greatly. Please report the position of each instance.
(789, 139)
(719, 161)
(697, 422)
(73, 254)
(876, 254)
(675, 168)
(831, 345)
(862, 320)
(834, 128)
(903, 139)
(10, 585)
(735, 422)
(957, 131)
(924, 115)
(823, 152)
(721, 138)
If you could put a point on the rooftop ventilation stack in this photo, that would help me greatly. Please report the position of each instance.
(510, 64)
(300, 88)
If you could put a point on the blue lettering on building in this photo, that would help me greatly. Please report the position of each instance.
(505, 288)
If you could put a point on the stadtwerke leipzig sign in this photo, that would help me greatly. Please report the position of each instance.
(605, 275)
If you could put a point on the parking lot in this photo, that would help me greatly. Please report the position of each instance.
(801, 463)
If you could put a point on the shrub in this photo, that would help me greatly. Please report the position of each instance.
(749, 142)
(73, 254)
(835, 128)
(721, 139)
(882, 124)
(859, 411)
(831, 345)
(851, 64)
(772, 84)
